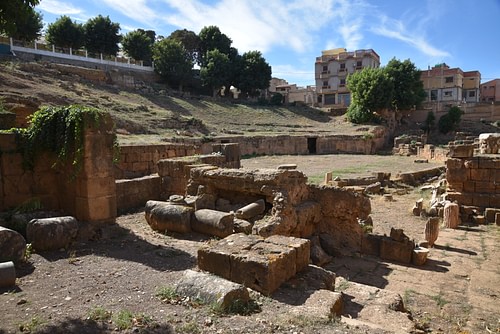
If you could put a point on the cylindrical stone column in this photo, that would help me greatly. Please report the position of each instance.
(432, 230)
(451, 215)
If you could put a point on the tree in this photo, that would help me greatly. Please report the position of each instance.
(172, 62)
(211, 38)
(14, 11)
(28, 27)
(189, 40)
(216, 71)
(372, 90)
(138, 45)
(255, 73)
(102, 35)
(65, 33)
(450, 121)
(408, 88)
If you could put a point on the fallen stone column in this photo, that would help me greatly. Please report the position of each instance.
(212, 222)
(211, 289)
(251, 210)
(7, 274)
(52, 233)
(164, 216)
(12, 245)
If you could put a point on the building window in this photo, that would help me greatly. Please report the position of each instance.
(325, 68)
(447, 93)
(325, 84)
(434, 95)
(472, 94)
(359, 64)
(342, 82)
(342, 67)
(449, 79)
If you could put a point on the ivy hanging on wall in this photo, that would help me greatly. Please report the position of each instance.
(59, 130)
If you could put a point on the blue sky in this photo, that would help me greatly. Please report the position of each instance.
(291, 33)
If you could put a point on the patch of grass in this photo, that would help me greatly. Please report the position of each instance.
(483, 248)
(440, 301)
(190, 327)
(99, 313)
(123, 319)
(28, 252)
(166, 293)
(33, 325)
(72, 258)
(408, 295)
(344, 285)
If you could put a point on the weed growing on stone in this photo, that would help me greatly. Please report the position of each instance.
(344, 285)
(167, 293)
(440, 301)
(33, 325)
(123, 319)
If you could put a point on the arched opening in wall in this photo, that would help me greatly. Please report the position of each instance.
(311, 145)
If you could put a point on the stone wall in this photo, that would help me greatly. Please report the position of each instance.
(474, 181)
(141, 160)
(90, 196)
(431, 152)
(134, 193)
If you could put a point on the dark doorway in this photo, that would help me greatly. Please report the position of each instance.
(311, 145)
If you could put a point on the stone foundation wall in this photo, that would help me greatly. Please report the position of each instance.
(134, 193)
(90, 196)
(141, 160)
(431, 152)
(474, 181)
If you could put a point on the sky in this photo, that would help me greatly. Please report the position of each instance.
(292, 33)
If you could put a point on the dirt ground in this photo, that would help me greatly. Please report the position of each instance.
(112, 282)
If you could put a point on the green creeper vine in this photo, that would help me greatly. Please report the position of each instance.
(59, 130)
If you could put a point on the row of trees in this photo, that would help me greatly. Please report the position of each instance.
(175, 56)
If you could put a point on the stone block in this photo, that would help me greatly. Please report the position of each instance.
(301, 247)
(485, 187)
(211, 289)
(12, 245)
(488, 163)
(451, 215)
(457, 175)
(321, 304)
(318, 256)
(252, 261)
(7, 274)
(481, 200)
(495, 200)
(371, 244)
(480, 174)
(396, 251)
(242, 226)
(52, 233)
(497, 219)
(419, 256)
(308, 216)
(479, 220)
(490, 213)
(96, 208)
(461, 151)
(96, 186)
(469, 186)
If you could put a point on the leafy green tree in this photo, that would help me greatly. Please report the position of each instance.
(29, 27)
(429, 122)
(211, 38)
(255, 73)
(189, 40)
(65, 33)
(408, 88)
(12, 12)
(138, 45)
(102, 35)
(371, 90)
(172, 62)
(215, 73)
(450, 121)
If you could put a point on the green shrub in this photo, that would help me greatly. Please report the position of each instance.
(276, 99)
(450, 121)
(357, 114)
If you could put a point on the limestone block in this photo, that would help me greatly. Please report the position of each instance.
(489, 143)
(322, 304)
(251, 210)
(52, 233)
(490, 214)
(479, 220)
(287, 166)
(301, 246)
(102, 208)
(7, 274)
(371, 244)
(12, 245)
(432, 230)
(308, 216)
(164, 216)
(451, 217)
(373, 188)
(211, 289)
(398, 235)
(318, 256)
(212, 222)
(497, 218)
(417, 208)
(480, 174)
(419, 256)
(461, 151)
(396, 250)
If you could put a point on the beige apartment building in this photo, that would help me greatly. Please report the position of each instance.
(293, 93)
(447, 86)
(490, 91)
(331, 70)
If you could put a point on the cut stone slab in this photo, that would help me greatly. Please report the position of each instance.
(489, 214)
(12, 245)
(211, 289)
(322, 304)
(399, 251)
(258, 263)
(52, 233)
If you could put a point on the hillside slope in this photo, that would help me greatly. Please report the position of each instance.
(154, 114)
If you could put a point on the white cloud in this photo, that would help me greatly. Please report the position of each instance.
(59, 7)
(396, 29)
(137, 10)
